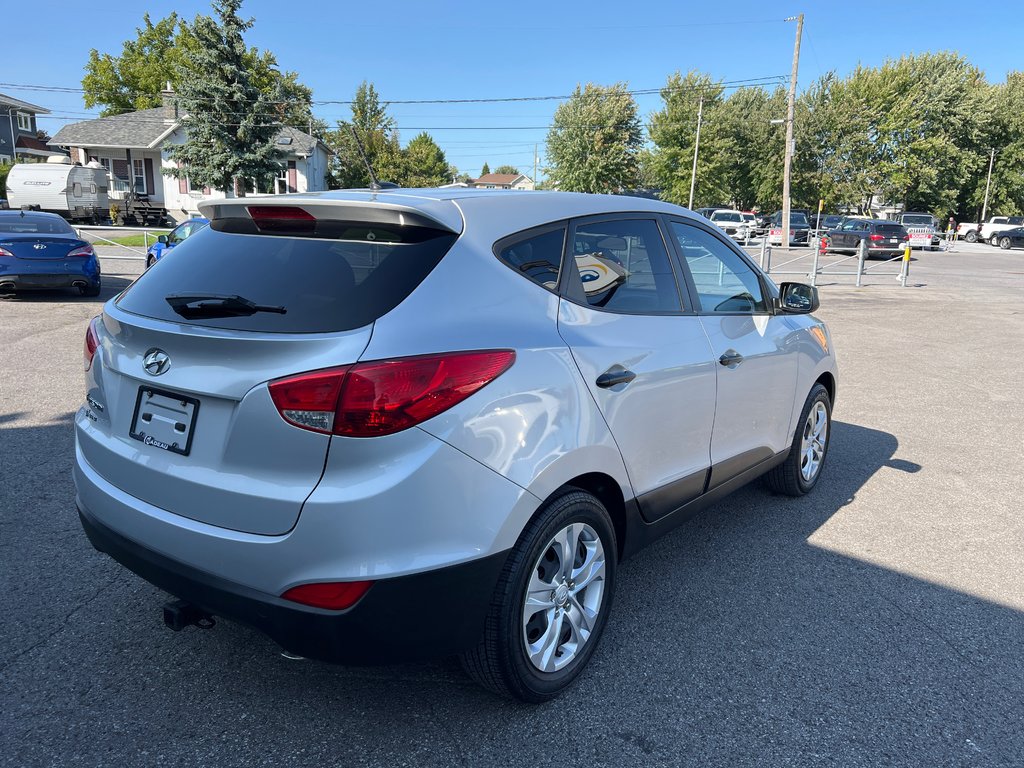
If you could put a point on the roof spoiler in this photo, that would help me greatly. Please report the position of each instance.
(418, 212)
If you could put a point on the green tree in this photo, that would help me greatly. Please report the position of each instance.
(508, 169)
(1005, 134)
(424, 164)
(228, 121)
(485, 170)
(673, 130)
(378, 136)
(162, 53)
(595, 140)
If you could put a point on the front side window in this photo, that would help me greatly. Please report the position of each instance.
(537, 257)
(725, 283)
(622, 266)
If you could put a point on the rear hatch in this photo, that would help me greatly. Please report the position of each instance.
(187, 421)
(39, 247)
(888, 236)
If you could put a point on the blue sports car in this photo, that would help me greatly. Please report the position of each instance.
(41, 250)
(166, 242)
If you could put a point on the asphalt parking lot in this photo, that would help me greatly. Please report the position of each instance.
(878, 621)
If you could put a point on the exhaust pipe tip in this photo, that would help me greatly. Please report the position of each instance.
(79, 284)
(8, 286)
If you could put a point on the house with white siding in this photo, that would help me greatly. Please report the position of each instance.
(133, 148)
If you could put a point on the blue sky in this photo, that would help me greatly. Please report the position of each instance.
(450, 50)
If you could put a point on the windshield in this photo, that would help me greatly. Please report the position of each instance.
(726, 216)
(280, 284)
(917, 221)
(795, 219)
(35, 224)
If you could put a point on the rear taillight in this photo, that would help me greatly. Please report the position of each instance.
(332, 595)
(385, 396)
(876, 238)
(83, 251)
(5, 252)
(92, 341)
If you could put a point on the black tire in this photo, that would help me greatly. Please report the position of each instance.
(971, 237)
(993, 240)
(1005, 243)
(91, 291)
(787, 478)
(150, 261)
(499, 662)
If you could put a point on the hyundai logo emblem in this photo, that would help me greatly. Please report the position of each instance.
(39, 246)
(156, 362)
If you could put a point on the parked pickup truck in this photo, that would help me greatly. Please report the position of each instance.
(972, 232)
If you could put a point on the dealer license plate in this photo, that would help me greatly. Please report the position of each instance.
(164, 420)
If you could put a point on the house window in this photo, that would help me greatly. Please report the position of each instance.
(281, 182)
(24, 121)
(139, 173)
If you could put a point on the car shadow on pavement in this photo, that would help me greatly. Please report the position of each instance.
(736, 640)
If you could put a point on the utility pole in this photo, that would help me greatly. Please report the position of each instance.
(535, 158)
(787, 169)
(696, 147)
(988, 181)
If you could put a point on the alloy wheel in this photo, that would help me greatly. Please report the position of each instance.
(564, 597)
(812, 446)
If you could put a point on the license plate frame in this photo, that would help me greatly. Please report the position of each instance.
(175, 424)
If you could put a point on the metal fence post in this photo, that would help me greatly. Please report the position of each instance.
(145, 239)
(814, 269)
(862, 254)
(764, 245)
(768, 260)
(905, 271)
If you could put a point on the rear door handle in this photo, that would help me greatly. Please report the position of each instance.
(611, 378)
(730, 358)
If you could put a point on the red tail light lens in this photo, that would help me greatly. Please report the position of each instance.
(85, 251)
(385, 396)
(5, 252)
(333, 595)
(92, 341)
(876, 238)
(282, 218)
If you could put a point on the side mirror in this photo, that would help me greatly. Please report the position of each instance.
(162, 239)
(798, 298)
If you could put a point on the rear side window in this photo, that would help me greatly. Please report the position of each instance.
(622, 266)
(536, 256)
(322, 285)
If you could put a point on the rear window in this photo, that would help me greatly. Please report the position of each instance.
(917, 221)
(35, 224)
(889, 229)
(322, 285)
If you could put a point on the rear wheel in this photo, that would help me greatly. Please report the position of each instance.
(551, 602)
(994, 240)
(971, 237)
(1005, 243)
(90, 290)
(799, 473)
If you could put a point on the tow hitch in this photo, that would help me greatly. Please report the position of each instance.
(178, 614)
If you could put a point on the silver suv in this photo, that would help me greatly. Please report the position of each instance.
(401, 425)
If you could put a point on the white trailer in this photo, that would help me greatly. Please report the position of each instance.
(76, 192)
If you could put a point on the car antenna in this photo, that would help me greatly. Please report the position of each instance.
(374, 184)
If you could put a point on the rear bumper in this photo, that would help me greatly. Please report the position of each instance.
(42, 281)
(421, 616)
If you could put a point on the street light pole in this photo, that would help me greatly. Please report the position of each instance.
(788, 167)
(696, 146)
(988, 182)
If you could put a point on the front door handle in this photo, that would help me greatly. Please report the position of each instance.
(611, 378)
(730, 358)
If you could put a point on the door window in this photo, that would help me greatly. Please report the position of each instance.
(725, 283)
(622, 266)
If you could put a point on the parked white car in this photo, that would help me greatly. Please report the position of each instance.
(998, 224)
(732, 223)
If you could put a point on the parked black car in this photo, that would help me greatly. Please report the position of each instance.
(1011, 238)
(799, 227)
(826, 221)
(884, 238)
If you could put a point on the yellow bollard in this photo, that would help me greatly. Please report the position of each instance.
(906, 266)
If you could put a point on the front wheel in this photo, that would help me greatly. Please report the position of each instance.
(551, 602)
(799, 473)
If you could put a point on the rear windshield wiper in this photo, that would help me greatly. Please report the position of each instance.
(210, 305)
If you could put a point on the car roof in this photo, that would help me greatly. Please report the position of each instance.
(20, 212)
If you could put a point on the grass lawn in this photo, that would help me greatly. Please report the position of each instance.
(134, 239)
